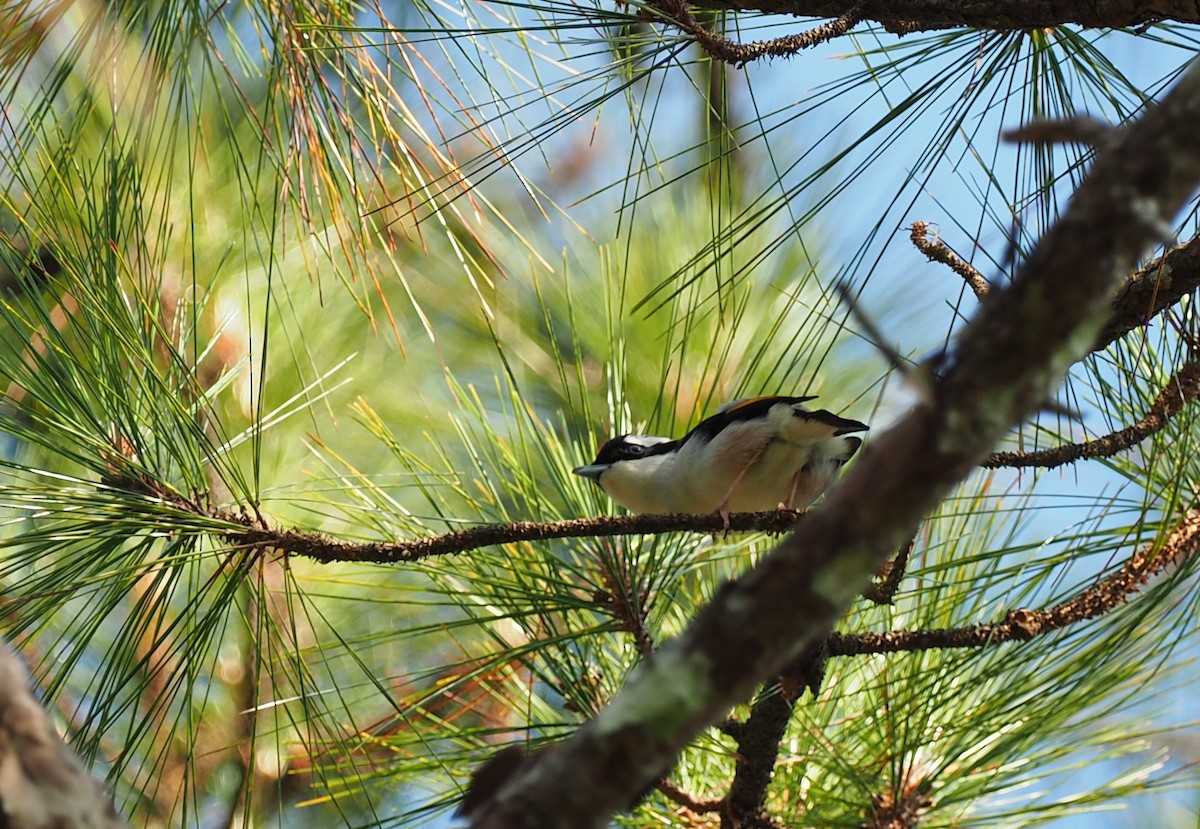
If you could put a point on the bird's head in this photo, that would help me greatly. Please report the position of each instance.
(627, 467)
(627, 451)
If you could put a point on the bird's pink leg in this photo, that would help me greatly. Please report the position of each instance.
(791, 499)
(741, 447)
(723, 507)
(790, 504)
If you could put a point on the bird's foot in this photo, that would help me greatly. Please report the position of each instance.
(723, 511)
(782, 506)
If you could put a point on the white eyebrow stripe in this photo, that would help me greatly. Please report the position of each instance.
(646, 440)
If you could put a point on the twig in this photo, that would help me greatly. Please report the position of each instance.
(937, 251)
(687, 800)
(1022, 624)
(1147, 293)
(1181, 389)
(1081, 129)
(679, 13)
(883, 592)
(325, 549)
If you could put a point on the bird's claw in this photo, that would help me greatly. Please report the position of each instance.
(723, 511)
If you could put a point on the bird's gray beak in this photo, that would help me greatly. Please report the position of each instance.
(592, 471)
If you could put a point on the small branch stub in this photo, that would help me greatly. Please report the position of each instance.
(937, 251)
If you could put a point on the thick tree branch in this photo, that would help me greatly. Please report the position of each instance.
(924, 15)
(1152, 290)
(43, 785)
(1023, 623)
(1007, 361)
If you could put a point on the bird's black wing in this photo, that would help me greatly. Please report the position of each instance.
(739, 412)
(841, 425)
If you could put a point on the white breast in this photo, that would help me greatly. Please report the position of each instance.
(765, 463)
(646, 485)
(747, 466)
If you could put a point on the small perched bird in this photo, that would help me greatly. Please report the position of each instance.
(753, 455)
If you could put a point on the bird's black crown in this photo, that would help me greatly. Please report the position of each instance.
(630, 447)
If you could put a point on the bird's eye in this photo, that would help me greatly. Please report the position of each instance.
(634, 451)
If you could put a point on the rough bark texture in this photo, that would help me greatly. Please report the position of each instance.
(1023, 623)
(1006, 363)
(923, 15)
(43, 785)
(1152, 290)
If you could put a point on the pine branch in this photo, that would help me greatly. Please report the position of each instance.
(686, 800)
(1181, 389)
(1147, 293)
(1006, 362)
(938, 251)
(923, 15)
(1151, 290)
(252, 533)
(719, 47)
(758, 747)
(1021, 624)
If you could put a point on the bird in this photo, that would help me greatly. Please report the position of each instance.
(753, 455)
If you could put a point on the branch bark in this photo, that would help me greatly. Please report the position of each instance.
(938, 251)
(1151, 290)
(43, 785)
(1023, 623)
(327, 549)
(739, 54)
(1180, 390)
(1007, 361)
(923, 15)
